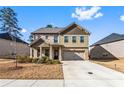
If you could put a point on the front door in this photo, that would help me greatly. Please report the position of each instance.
(47, 52)
(56, 54)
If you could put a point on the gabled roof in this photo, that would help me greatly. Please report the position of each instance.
(36, 41)
(74, 25)
(57, 30)
(111, 38)
(7, 36)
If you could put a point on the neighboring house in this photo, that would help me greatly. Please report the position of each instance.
(110, 47)
(69, 43)
(8, 47)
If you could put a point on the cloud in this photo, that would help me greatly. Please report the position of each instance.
(122, 18)
(98, 15)
(81, 13)
(23, 30)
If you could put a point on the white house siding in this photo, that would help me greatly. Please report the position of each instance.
(7, 47)
(113, 49)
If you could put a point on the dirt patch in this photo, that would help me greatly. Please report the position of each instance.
(30, 71)
(113, 64)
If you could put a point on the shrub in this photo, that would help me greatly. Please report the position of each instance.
(20, 59)
(42, 60)
(24, 59)
(35, 60)
(50, 61)
(28, 60)
(45, 59)
(56, 62)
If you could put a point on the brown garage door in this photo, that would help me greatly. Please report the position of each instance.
(73, 55)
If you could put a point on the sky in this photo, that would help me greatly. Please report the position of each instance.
(99, 21)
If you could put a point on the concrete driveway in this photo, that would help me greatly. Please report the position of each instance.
(76, 75)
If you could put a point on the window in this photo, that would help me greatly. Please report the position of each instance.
(46, 37)
(55, 39)
(65, 39)
(81, 39)
(74, 39)
(105, 54)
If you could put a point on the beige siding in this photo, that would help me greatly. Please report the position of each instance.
(75, 32)
(77, 44)
(8, 47)
(110, 50)
(115, 48)
(43, 36)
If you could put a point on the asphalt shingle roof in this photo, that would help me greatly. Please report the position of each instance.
(111, 38)
(48, 30)
(55, 30)
(8, 37)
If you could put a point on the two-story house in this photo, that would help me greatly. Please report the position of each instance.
(8, 46)
(69, 43)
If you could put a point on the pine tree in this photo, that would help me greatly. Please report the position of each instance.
(9, 24)
(49, 26)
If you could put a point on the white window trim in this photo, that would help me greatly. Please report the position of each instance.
(58, 39)
(64, 39)
(72, 39)
(83, 39)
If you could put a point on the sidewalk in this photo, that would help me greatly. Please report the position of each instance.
(31, 83)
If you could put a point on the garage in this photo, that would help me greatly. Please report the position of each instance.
(73, 55)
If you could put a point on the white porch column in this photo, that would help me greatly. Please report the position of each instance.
(60, 53)
(30, 52)
(40, 52)
(35, 53)
(51, 56)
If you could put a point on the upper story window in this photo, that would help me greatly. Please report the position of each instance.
(55, 39)
(81, 39)
(74, 39)
(46, 37)
(66, 39)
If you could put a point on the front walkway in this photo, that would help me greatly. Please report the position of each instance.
(76, 75)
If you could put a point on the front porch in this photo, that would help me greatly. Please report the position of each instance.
(53, 51)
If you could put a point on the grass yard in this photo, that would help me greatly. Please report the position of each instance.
(30, 71)
(113, 64)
